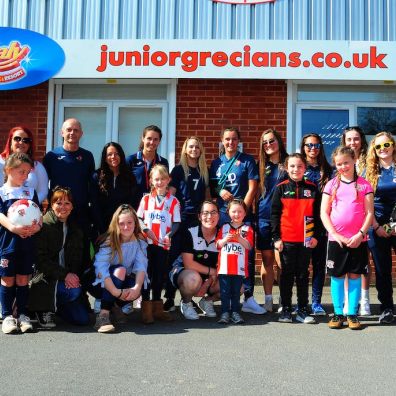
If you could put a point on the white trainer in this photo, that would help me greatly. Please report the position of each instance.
(9, 325)
(250, 305)
(207, 308)
(24, 323)
(187, 309)
(364, 309)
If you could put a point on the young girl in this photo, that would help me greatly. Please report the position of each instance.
(159, 213)
(295, 200)
(347, 214)
(234, 241)
(120, 264)
(16, 245)
(318, 171)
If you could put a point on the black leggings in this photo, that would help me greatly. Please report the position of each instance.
(157, 271)
(295, 260)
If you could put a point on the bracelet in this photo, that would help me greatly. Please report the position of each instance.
(376, 228)
(122, 291)
(208, 271)
(362, 232)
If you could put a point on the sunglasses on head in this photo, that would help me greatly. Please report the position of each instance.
(383, 145)
(311, 146)
(268, 142)
(21, 139)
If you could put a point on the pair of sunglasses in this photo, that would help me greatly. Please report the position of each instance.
(268, 142)
(311, 146)
(383, 145)
(23, 140)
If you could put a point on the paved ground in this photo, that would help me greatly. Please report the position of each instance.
(202, 358)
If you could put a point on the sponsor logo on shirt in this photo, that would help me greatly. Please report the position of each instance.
(157, 216)
(4, 263)
(307, 193)
(231, 248)
(330, 264)
(60, 158)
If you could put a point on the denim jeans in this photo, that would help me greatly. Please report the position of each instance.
(69, 306)
(319, 268)
(248, 282)
(230, 289)
(108, 299)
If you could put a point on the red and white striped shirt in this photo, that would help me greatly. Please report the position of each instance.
(159, 218)
(233, 257)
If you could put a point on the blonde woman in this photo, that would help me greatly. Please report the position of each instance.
(189, 183)
(354, 138)
(190, 179)
(381, 159)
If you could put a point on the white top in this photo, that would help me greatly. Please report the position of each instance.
(37, 179)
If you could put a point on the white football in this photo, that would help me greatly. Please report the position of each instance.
(24, 212)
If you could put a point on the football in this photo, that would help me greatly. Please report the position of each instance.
(24, 212)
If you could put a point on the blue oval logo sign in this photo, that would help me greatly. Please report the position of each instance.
(27, 58)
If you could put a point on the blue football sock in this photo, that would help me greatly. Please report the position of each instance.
(337, 294)
(354, 286)
(7, 297)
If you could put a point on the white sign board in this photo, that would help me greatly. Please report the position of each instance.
(339, 60)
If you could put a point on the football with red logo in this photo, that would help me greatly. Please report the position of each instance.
(24, 212)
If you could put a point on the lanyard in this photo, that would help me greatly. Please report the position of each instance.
(147, 171)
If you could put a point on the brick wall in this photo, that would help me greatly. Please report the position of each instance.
(205, 107)
(26, 106)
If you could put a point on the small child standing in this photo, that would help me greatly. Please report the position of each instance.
(159, 213)
(347, 214)
(234, 240)
(17, 248)
(295, 202)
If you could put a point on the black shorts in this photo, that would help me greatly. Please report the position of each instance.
(343, 260)
(16, 263)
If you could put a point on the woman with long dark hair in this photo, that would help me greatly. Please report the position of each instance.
(114, 185)
(318, 171)
(271, 157)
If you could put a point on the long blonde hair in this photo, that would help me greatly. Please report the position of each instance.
(202, 167)
(112, 237)
(372, 160)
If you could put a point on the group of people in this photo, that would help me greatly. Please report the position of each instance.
(130, 229)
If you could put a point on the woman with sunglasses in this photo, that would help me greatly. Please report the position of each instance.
(381, 173)
(354, 138)
(20, 140)
(271, 157)
(319, 171)
(234, 175)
